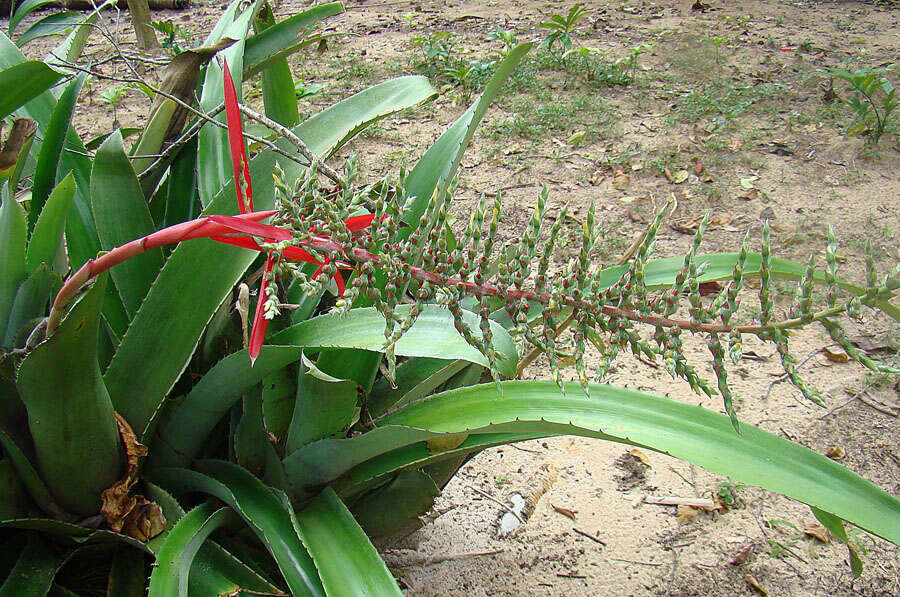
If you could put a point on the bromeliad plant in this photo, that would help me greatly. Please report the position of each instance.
(138, 414)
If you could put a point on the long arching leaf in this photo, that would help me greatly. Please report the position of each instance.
(23, 82)
(676, 428)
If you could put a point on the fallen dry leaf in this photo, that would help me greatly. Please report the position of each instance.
(641, 456)
(622, 181)
(680, 176)
(134, 515)
(686, 514)
(817, 531)
(836, 452)
(749, 195)
(707, 288)
(699, 168)
(564, 511)
(756, 586)
(835, 356)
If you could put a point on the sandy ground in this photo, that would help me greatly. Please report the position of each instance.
(788, 146)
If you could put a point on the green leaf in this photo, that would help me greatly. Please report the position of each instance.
(251, 441)
(30, 304)
(393, 510)
(341, 122)
(51, 149)
(165, 331)
(70, 415)
(416, 378)
(34, 571)
(54, 24)
(213, 155)
(283, 39)
(675, 428)
(214, 570)
(181, 438)
(344, 556)
(77, 533)
(81, 238)
(71, 47)
(27, 474)
(836, 526)
(435, 169)
(173, 561)
(432, 335)
(182, 203)
(127, 575)
(13, 499)
(262, 510)
(121, 216)
(47, 235)
(23, 10)
(12, 255)
(23, 82)
(324, 406)
(279, 97)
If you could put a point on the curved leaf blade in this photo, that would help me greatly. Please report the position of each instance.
(34, 570)
(283, 39)
(23, 82)
(50, 226)
(173, 561)
(54, 24)
(675, 428)
(343, 554)
(13, 269)
(262, 510)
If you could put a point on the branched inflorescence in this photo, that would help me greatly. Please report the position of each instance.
(606, 307)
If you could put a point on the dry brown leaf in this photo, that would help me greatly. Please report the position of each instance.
(622, 181)
(680, 176)
(668, 174)
(836, 452)
(641, 456)
(817, 531)
(756, 586)
(686, 514)
(707, 288)
(835, 356)
(564, 511)
(133, 515)
(686, 225)
(749, 195)
(22, 130)
(700, 6)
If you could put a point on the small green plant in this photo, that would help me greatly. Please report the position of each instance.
(440, 60)
(506, 37)
(561, 30)
(174, 33)
(727, 493)
(114, 95)
(873, 101)
(305, 90)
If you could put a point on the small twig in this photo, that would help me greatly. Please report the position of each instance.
(430, 560)
(665, 500)
(297, 141)
(636, 562)
(672, 574)
(848, 401)
(877, 406)
(589, 536)
(498, 502)
(579, 576)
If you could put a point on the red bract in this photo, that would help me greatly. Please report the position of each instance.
(236, 142)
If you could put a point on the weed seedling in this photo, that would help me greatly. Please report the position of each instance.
(874, 101)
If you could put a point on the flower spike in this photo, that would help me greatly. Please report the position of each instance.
(236, 142)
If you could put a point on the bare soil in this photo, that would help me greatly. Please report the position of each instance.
(749, 122)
